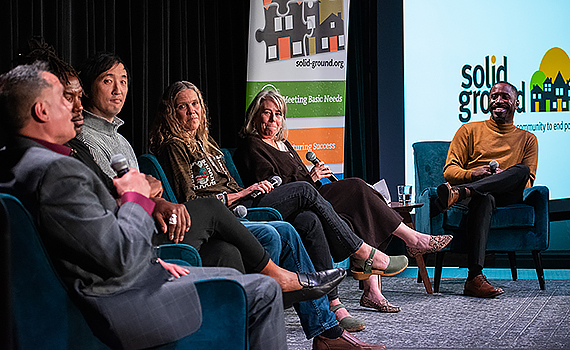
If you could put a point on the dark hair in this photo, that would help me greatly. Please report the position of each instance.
(514, 88)
(95, 65)
(19, 89)
(42, 51)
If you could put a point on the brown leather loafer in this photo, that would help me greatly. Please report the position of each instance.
(447, 195)
(345, 341)
(479, 287)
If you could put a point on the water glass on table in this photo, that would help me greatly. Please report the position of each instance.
(405, 194)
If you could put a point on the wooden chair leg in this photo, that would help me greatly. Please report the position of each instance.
(437, 273)
(537, 257)
(423, 273)
(513, 262)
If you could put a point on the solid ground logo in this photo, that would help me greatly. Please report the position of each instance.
(301, 28)
(550, 84)
(477, 81)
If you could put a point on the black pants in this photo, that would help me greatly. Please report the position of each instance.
(220, 238)
(486, 194)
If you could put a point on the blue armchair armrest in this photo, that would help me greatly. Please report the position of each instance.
(148, 164)
(538, 197)
(263, 214)
(179, 254)
(425, 223)
(224, 316)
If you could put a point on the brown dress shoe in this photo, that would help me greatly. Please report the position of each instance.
(345, 341)
(481, 288)
(447, 195)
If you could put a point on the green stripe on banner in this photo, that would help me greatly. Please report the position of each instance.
(306, 98)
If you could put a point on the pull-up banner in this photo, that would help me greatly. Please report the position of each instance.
(299, 49)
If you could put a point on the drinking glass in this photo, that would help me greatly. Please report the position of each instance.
(405, 194)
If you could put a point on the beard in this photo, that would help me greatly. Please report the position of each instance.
(502, 113)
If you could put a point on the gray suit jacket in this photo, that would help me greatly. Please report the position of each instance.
(102, 252)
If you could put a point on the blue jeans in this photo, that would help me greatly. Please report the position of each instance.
(285, 247)
(323, 232)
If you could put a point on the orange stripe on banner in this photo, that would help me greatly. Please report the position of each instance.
(327, 143)
(284, 48)
(333, 43)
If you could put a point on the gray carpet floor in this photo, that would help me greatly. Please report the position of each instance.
(523, 318)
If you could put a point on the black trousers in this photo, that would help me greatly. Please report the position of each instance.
(220, 238)
(486, 194)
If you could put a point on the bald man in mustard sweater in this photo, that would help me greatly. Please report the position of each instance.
(483, 186)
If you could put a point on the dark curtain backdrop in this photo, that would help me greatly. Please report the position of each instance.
(202, 41)
(361, 124)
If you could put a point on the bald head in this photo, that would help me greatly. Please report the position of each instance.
(503, 102)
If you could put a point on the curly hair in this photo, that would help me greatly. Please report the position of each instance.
(42, 51)
(167, 126)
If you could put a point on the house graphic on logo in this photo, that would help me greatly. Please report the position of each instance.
(548, 95)
(301, 28)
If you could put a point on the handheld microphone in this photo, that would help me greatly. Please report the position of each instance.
(312, 157)
(119, 164)
(493, 165)
(275, 181)
(240, 211)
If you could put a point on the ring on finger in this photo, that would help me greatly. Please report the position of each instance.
(173, 219)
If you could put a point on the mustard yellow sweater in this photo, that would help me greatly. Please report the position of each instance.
(476, 144)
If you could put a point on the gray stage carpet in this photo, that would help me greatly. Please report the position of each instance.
(523, 318)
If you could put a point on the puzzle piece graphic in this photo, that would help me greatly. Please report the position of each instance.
(294, 28)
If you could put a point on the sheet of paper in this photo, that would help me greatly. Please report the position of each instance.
(382, 187)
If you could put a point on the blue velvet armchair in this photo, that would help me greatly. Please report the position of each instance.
(518, 227)
(38, 313)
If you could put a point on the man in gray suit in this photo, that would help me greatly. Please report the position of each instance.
(103, 251)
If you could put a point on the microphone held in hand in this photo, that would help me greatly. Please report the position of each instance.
(119, 164)
(312, 157)
(240, 211)
(493, 165)
(275, 181)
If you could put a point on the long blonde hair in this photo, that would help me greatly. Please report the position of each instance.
(166, 125)
(254, 110)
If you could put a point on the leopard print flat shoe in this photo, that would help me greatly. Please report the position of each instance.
(382, 305)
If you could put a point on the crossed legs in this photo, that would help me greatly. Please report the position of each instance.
(482, 197)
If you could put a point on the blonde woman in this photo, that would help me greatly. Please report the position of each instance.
(265, 151)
